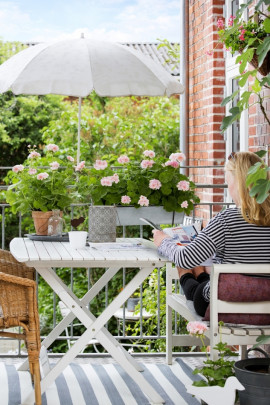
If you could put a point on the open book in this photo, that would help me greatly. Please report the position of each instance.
(181, 233)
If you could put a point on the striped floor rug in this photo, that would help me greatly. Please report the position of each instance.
(106, 384)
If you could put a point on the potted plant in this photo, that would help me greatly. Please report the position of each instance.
(154, 181)
(251, 38)
(120, 181)
(42, 183)
(215, 372)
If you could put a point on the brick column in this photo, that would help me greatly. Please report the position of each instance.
(206, 87)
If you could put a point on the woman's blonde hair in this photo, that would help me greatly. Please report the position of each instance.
(252, 212)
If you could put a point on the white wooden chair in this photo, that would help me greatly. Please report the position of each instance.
(231, 334)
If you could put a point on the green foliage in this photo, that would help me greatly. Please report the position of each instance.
(251, 39)
(261, 340)
(216, 372)
(37, 188)
(154, 304)
(125, 125)
(257, 180)
(22, 119)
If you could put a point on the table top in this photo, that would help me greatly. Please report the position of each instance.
(126, 252)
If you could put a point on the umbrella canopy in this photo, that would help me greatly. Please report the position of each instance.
(76, 67)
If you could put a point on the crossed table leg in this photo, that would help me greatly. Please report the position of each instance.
(94, 328)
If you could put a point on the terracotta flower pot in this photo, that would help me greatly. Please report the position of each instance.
(41, 221)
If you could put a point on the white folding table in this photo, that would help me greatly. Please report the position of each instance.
(45, 256)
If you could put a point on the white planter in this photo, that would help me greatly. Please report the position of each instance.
(131, 216)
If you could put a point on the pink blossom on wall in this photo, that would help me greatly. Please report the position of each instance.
(184, 204)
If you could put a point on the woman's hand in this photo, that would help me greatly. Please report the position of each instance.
(159, 236)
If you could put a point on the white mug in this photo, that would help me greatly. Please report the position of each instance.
(77, 239)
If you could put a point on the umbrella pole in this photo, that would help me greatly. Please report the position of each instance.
(79, 131)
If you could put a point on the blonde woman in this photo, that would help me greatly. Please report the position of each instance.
(235, 235)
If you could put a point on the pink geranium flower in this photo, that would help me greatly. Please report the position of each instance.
(241, 36)
(70, 158)
(155, 184)
(149, 153)
(172, 163)
(230, 21)
(107, 181)
(32, 171)
(115, 178)
(184, 204)
(146, 163)
(180, 157)
(80, 166)
(183, 185)
(220, 24)
(123, 159)
(33, 154)
(196, 328)
(52, 147)
(100, 164)
(125, 199)
(143, 201)
(42, 176)
(54, 165)
(17, 168)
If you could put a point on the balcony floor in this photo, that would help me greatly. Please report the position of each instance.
(99, 380)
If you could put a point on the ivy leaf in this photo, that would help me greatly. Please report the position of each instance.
(245, 99)
(228, 120)
(261, 153)
(229, 98)
(255, 173)
(263, 49)
(260, 190)
(258, 5)
(266, 80)
(266, 24)
(256, 86)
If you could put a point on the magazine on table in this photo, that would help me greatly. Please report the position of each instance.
(182, 234)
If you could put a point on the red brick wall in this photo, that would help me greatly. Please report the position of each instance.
(206, 89)
(259, 130)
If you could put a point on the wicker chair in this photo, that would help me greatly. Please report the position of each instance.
(18, 307)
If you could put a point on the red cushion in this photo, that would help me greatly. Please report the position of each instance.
(241, 288)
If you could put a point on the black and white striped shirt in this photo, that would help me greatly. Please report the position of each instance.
(228, 237)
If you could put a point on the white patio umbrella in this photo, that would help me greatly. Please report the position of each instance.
(76, 67)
